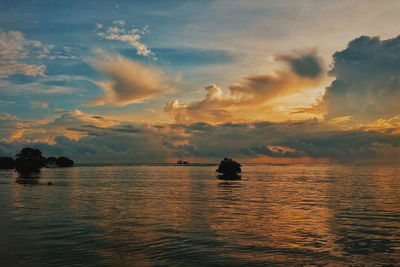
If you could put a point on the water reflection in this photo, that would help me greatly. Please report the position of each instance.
(27, 181)
(229, 184)
(152, 215)
(364, 203)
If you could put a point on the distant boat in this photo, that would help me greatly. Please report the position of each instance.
(182, 162)
(229, 169)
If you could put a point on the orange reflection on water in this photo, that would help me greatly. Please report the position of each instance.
(289, 214)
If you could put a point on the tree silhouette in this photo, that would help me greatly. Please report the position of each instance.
(229, 167)
(29, 162)
(51, 161)
(7, 163)
(64, 162)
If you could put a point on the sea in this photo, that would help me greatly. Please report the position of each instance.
(182, 215)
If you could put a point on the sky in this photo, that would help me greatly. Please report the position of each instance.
(305, 81)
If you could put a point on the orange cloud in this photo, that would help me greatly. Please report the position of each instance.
(47, 131)
(391, 125)
(130, 82)
(250, 99)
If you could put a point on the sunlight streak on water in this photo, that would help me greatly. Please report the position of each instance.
(182, 215)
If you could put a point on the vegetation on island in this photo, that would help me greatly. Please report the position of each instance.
(29, 161)
(64, 162)
(59, 162)
(229, 169)
(7, 163)
(51, 161)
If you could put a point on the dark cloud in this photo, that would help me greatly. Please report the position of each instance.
(367, 84)
(290, 140)
(102, 145)
(309, 138)
(306, 64)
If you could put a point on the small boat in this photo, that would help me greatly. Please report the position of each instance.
(229, 169)
(182, 162)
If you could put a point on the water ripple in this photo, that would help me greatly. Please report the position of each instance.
(148, 215)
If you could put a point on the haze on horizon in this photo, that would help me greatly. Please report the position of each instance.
(155, 81)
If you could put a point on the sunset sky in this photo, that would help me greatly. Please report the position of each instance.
(156, 81)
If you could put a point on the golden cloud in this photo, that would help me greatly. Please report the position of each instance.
(130, 82)
(251, 98)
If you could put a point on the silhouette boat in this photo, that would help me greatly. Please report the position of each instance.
(229, 169)
(182, 162)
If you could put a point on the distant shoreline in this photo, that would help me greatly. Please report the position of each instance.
(216, 164)
(121, 164)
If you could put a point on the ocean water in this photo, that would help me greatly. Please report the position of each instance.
(150, 215)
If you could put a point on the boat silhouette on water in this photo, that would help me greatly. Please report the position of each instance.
(229, 169)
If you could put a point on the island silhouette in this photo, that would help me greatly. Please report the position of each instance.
(7, 163)
(229, 169)
(29, 161)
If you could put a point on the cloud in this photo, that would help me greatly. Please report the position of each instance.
(44, 86)
(40, 104)
(313, 109)
(117, 32)
(212, 108)
(293, 140)
(130, 82)
(14, 67)
(16, 130)
(367, 84)
(85, 138)
(391, 125)
(125, 143)
(306, 63)
(13, 48)
(12, 45)
(77, 118)
(9, 124)
(6, 102)
(253, 94)
(93, 138)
